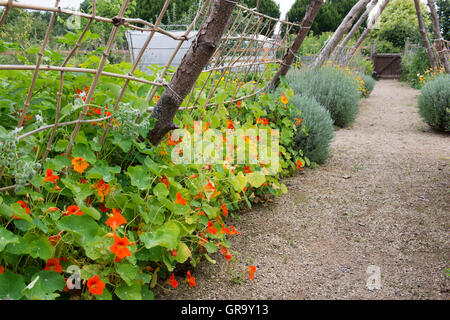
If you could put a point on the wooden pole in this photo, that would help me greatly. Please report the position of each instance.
(339, 34)
(423, 33)
(439, 41)
(367, 30)
(364, 16)
(190, 68)
(308, 19)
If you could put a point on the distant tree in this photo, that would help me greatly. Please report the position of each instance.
(267, 7)
(329, 17)
(399, 22)
(180, 11)
(444, 14)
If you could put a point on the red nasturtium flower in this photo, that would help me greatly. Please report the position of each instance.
(226, 253)
(190, 279)
(247, 169)
(79, 164)
(239, 104)
(263, 121)
(230, 124)
(180, 199)
(115, 220)
(211, 228)
(55, 238)
(251, 272)
(172, 281)
(23, 205)
(103, 208)
(53, 265)
(2, 269)
(83, 181)
(233, 231)
(173, 252)
(299, 165)
(298, 121)
(103, 189)
(73, 209)
(225, 229)
(119, 248)
(50, 177)
(164, 180)
(95, 285)
(224, 209)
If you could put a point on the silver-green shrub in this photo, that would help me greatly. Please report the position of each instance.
(332, 88)
(434, 103)
(317, 120)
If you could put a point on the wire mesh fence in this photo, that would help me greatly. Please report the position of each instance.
(244, 62)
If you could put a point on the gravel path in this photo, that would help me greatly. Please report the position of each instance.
(382, 199)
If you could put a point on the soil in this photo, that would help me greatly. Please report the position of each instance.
(382, 199)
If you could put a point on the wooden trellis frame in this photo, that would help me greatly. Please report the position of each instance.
(239, 52)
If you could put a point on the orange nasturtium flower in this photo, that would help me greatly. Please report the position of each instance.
(2, 269)
(53, 265)
(263, 121)
(50, 177)
(284, 99)
(95, 285)
(102, 189)
(115, 220)
(239, 104)
(211, 228)
(164, 180)
(73, 209)
(23, 205)
(119, 248)
(233, 231)
(79, 164)
(55, 238)
(172, 281)
(251, 272)
(224, 209)
(230, 124)
(180, 199)
(226, 253)
(190, 279)
(299, 165)
(298, 121)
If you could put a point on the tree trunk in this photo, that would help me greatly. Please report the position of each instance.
(341, 30)
(439, 41)
(367, 30)
(190, 68)
(423, 33)
(308, 19)
(338, 51)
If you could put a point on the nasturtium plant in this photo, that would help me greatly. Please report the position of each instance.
(114, 217)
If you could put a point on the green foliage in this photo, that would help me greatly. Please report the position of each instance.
(61, 211)
(329, 17)
(397, 23)
(443, 7)
(182, 11)
(332, 88)
(267, 7)
(413, 64)
(434, 103)
(363, 64)
(367, 85)
(315, 141)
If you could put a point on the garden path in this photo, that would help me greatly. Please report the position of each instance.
(381, 199)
